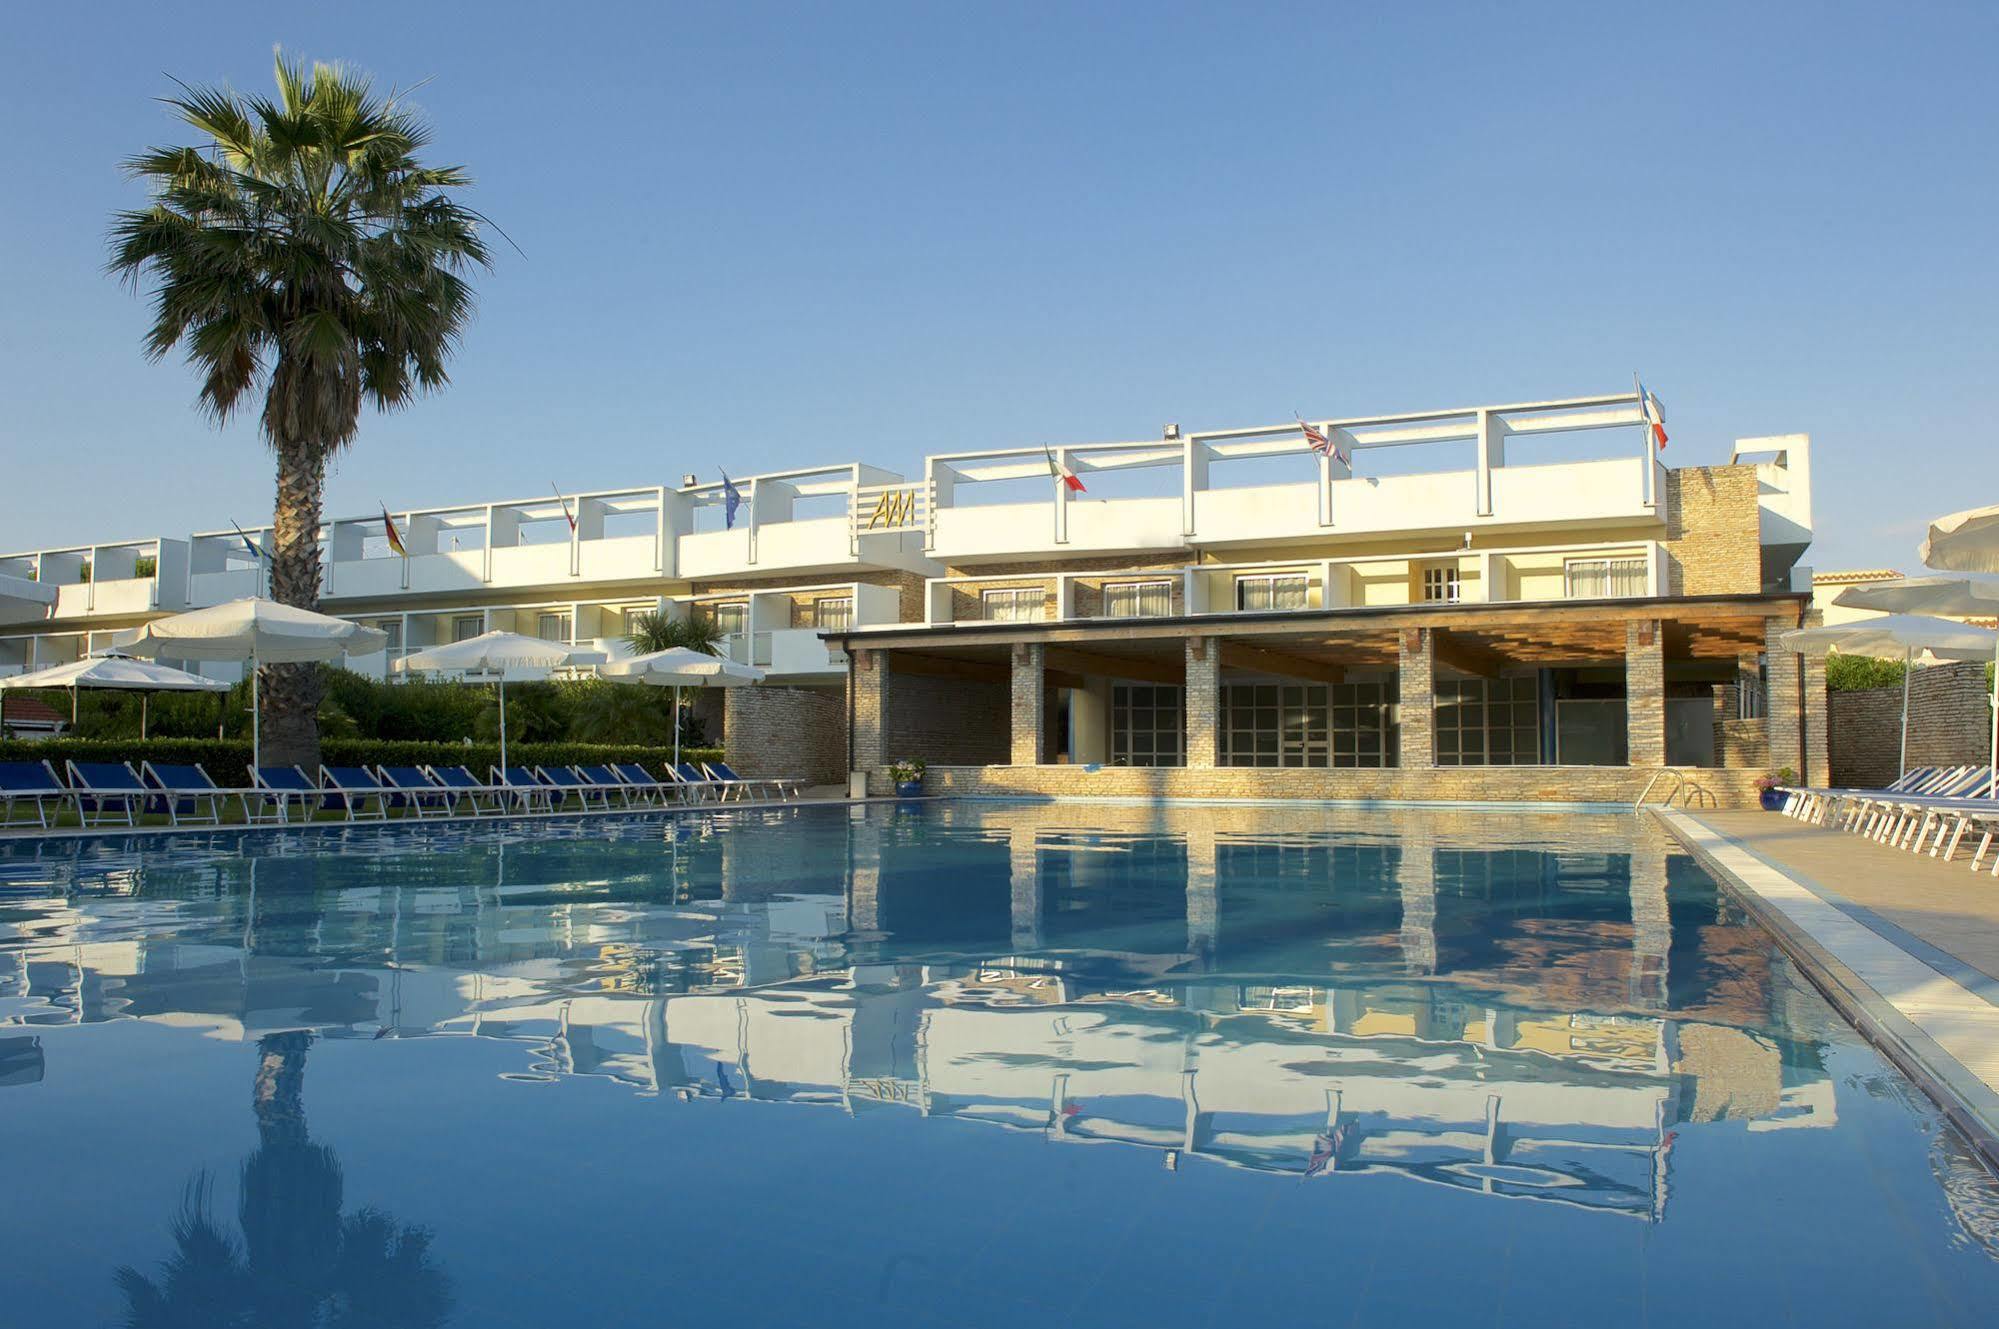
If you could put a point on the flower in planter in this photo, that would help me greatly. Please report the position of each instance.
(908, 770)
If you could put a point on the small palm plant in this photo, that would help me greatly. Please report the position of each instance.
(656, 632)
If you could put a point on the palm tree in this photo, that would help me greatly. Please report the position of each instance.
(656, 632)
(303, 252)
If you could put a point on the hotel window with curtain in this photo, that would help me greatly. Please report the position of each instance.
(1603, 578)
(1021, 604)
(830, 615)
(1442, 584)
(1138, 599)
(552, 627)
(730, 619)
(467, 626)
(1270, 592)
(394, 627)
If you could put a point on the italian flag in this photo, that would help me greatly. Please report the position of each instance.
(1655, 418)
(1060, 472)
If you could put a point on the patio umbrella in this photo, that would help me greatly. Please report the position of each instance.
(117, 673)
(678, 667)
(258, 631)
(1963, 542)
(1897, 635)
(1955, 596)
(494, 653)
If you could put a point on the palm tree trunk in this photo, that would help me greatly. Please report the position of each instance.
(291, 692)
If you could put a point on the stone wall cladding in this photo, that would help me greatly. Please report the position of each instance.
(870, 696)
(1028, 706)
(1202, 700)
(1950, 719)
(1417, 716)
(1645, 691)
(798, 733)
(1742, 744)
(968, 602)
(946, 721)
(1449, 784)
(1781, 718)
(1713, 542)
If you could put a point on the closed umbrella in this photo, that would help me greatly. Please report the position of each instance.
(495, 653)
(118, 673)
(1963, 542)
(678, 667)
(258, 631)
(1897, 636)
(1954, 596)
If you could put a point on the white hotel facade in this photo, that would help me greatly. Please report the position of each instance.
(1525, 585)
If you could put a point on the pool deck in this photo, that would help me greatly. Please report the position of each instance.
(1906, 946)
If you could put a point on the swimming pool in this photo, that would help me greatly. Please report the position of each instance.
(947, 1063)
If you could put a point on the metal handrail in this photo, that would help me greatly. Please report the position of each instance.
(1679, 784)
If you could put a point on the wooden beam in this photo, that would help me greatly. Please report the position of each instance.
(1113, 666)
(1467, 657)
(945, 666)
(1235, 655)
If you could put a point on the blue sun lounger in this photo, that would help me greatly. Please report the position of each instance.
(107, 788)
(187, 794)
(720, 770)
(641, 783)
(517, 785)
(416, 790)
(33, 783)
(350, 788)
(565, 782)
(603, 777)
(698, 785)
(275, 789)
(462, 784)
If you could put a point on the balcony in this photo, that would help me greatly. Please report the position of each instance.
(124, 580)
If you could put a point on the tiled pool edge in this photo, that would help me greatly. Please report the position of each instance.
(1840, 954)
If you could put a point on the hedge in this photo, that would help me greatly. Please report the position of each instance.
(227, 761)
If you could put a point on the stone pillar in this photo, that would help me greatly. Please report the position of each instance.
(864, 877)
(1651, 927)
(1204, 909)
(869, 681)
(1645, 691)
(1818, 756)
(1027, 904)
(1030, 705)
(1203, 699)
(1418, 717)
(1416, 878)
(1785, 688)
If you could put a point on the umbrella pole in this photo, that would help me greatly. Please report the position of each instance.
(143, 699)
(676, 728)
(1993, 769)
(256, 718)
(1908, 668)
(503, 727)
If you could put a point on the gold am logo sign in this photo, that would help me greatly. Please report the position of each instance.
(896, 507)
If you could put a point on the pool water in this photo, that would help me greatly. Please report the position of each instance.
(951, 1063)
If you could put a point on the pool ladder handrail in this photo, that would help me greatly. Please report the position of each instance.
(1679, 784)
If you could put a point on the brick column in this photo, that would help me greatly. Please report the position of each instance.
(870, 702)
(1784, 690)
(1417, 677)
(1651, 926)
(1030, 711)
(1645, 692)
(1416, 881)
(1203, 698)
(1027, 905)
(1204, 908)
(1818, 756)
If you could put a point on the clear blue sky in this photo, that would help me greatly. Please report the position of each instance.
(763, 238)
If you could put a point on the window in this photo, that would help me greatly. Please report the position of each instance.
(1268, 724)
(1603, 578)
(1270, 592)
(632, 620)
(1488, 722)
(1139, 599)
(467, 626)
(1441, 585)
(730, 619)
(834, 614)
(1146, 725)
(1360, 725)
(1022, 604)
(392, 626)
(552, 627)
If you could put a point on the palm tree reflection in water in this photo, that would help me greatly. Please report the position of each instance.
(302, 1262)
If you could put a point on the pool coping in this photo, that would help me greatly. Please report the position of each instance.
(1820, 935)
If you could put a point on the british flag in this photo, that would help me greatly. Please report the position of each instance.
(1323, 444)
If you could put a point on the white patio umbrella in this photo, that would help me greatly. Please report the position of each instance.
(495, 653)
(1955, 596)
(1897, 635)
(117, 673)
(258, 631)
(1963, 542)
(678, 667)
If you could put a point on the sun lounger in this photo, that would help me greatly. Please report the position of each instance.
(276, 789)
(778, 785)
(465, 786)
(1816, 804)
(107, 788)
(416, 790)
(641, 783)
(603, 777)
(187, 793)
(518, 786)
(1893, 818)
(33, 783)
(564, 782)
(697, 786)
(351, 787)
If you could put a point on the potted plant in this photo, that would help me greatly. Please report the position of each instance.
(908, 776)
(1770, 789)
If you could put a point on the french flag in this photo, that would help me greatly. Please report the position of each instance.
(1655, 416)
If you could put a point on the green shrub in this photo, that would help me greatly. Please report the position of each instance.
(1856, 673)
(227, 761)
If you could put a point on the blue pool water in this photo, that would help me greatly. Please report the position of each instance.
(949, 1064)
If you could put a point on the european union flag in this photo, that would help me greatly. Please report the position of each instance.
(732, 498)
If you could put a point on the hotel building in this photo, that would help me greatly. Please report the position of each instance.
(1515, 601)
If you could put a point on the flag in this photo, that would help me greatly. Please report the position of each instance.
(395, 537)
(1655, 416)
(1323, 445)
(732, 499)
(250, 546)
(1058, 471)
(567, 515)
